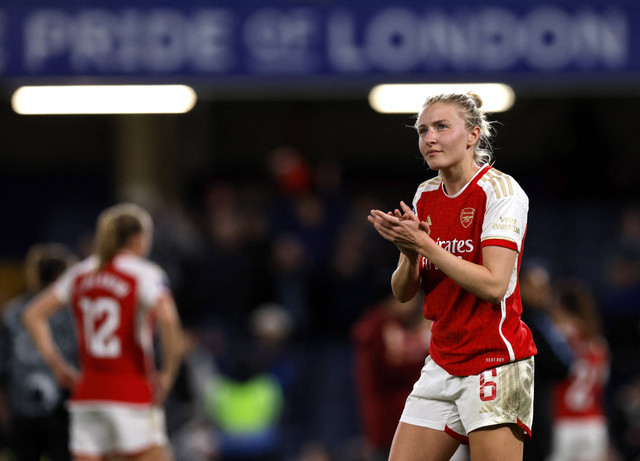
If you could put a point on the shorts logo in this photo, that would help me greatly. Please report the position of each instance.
(466, 216)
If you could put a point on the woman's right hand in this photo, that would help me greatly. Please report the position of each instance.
(405, 242)
(66, 375)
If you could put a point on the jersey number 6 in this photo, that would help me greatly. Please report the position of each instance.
(488, 387)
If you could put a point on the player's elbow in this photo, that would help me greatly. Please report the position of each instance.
(404, 290)
(404, 293)
(402, 297)
(494, 294)
(493, 299)
(29, 317)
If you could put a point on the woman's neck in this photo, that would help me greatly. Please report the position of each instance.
(455, 178)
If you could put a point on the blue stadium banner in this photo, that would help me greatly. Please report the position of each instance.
(321, 39)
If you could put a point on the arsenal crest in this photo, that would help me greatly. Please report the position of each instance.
(466, 216)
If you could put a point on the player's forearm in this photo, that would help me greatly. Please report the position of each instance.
(38, 328)
(405, 281)
(490, 286)
(172, 350)
(172, 337)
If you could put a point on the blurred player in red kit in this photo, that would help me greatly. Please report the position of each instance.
(117, 296)
(462, 243)
(391, 342)
(580, 426)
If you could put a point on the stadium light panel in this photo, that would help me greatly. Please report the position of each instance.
(408, 98)
(103, 99)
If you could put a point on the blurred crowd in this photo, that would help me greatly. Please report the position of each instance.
(298, 352)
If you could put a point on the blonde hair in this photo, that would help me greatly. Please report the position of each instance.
(116, 226)
(469, 105)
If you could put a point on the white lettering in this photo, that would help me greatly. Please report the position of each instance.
(488, 39)
(129, 40)
(462, 46)
(457, 246)
(342, 50)
(596, 38)
(45, 36)
(548, 38)
(433, 40)
(281, 41)
(391, 40)
(166, 40)
(116, 285)
(3, 40)
(496, 29)
(210, 40)
(93, 41)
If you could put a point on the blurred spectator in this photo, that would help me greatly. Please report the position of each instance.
(39, 419)
(196, 439)
(391, 343)
(226, 278)
(345, 286)
(290, 272)
(620, 302)
(239, 409)
(313, 451)
(280, 353)
(245, 402)
(271, 327)
(621, 297)
(580, 429)
(554, 358)
(176, 240)
(312, 211)
(289, 170)
(340, 291)
(625, 427)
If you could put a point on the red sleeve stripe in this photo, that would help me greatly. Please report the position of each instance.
(500, 243)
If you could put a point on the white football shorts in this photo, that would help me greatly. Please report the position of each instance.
(585, 439)
(461, 404)
(99, 429)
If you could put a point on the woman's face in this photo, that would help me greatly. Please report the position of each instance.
(444, 140)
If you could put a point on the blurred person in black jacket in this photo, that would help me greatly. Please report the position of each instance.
(38, 417)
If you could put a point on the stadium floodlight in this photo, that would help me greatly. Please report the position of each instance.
(103, 99)
(408, 98)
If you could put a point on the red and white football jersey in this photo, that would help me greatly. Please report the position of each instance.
(114, 325)
(581, 394)
(470, 335)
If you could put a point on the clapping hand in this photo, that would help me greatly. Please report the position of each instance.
(401, 227)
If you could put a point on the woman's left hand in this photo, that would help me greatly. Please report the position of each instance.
(162, 386)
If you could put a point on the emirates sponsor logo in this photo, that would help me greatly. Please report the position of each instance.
(466, 216)
(455, 246)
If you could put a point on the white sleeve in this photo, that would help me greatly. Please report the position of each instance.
(62, 286)
(505, 220)
(153, 284)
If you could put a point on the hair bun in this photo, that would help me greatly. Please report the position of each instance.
(476, 99)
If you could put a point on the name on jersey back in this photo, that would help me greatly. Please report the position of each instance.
(104, 280)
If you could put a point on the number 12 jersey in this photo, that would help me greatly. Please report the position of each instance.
(112, 309)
